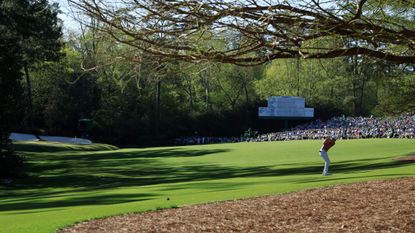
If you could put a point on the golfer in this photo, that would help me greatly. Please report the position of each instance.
(327, 144)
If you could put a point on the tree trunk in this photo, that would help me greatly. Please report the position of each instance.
(190, 98)
(29, 111)
(362, 91)
(207, 97)
(298, 76)
(246, 96)
(157, 112)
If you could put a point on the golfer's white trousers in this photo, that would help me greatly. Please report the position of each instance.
(326, 159)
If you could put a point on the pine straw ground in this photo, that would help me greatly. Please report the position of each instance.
(375, 206)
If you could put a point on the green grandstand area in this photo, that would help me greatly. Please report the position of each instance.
(67, 184)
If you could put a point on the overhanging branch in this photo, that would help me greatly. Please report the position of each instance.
(191, 30)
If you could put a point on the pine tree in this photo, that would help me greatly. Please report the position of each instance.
(29, 32)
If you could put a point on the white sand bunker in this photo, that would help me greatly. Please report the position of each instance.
(31, 137)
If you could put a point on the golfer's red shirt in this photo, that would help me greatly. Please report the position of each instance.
(328, 143)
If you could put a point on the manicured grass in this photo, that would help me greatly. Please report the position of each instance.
(68, 185)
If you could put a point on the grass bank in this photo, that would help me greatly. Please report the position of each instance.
(67, 185)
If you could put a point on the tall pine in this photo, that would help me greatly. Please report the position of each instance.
(29, 32)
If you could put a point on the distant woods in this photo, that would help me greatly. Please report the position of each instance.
(151, 102)
(140, 84)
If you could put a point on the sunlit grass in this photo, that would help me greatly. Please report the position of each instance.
(66, 183)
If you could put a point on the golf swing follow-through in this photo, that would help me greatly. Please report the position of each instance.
(327, 144)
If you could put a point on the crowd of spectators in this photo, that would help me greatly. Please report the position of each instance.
(207, 140)
(341, 127)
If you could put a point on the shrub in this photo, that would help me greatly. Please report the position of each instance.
(11, 164)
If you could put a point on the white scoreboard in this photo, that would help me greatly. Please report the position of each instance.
(285, 107)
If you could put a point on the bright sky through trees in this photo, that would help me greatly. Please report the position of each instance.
(66, 15)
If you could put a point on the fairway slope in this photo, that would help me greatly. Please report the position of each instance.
(375, 206)
(67, 185)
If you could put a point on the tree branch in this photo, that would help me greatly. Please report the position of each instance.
(205, 30)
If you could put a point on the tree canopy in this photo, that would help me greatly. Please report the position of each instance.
(29, 32)
(257, 31)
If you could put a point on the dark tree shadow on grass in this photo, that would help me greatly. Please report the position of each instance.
(77, 201)
(107, 170)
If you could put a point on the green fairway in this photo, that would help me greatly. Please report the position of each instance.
(70, 184)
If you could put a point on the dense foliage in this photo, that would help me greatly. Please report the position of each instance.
(10, 91)
(151, 102)
(134, 97)
(29, 32)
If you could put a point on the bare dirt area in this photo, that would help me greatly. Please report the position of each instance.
(375, 206)
(406, 159)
